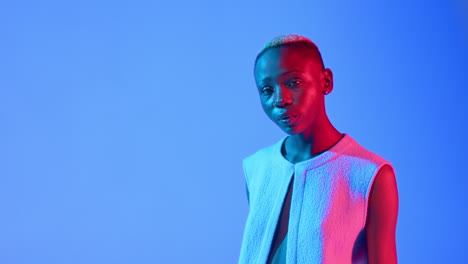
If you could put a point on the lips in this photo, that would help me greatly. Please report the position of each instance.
(286, 116)
(287, 119)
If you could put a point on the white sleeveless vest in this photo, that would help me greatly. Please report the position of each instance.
(328, 206)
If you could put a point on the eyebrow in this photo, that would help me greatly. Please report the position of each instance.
(284, 73)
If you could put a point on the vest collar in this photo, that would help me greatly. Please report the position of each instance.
(315, 161)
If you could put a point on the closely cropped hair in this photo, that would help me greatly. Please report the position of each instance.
(294, 41)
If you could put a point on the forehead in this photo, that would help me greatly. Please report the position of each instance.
(277, 61)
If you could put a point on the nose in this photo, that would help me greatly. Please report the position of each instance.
(282, 98)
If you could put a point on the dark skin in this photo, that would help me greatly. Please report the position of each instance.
(294, 84)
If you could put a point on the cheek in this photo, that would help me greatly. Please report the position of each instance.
(264, 102)
(267, 107)
(310, 98)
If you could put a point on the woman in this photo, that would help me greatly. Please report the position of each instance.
(316, 195)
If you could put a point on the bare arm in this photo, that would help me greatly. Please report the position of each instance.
(382, 218)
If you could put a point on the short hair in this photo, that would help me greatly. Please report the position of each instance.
(293, 41)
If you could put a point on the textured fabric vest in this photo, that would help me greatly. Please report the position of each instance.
(328, 207)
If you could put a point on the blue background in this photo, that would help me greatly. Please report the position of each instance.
(124, 124)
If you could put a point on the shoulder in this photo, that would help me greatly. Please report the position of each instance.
(263, 154)
(375, 173)
(258, 165)
(355, 149)
(366, 160)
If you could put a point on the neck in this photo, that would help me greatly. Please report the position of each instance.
(311, 142)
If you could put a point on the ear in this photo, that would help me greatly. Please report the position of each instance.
(327, 79)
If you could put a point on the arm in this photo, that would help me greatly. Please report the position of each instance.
(382, 218)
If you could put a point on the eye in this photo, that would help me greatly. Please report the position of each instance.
(266, 90)
(294, 83)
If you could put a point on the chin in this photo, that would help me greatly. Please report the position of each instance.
(290, 130)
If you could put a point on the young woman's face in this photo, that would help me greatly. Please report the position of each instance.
(291, 89)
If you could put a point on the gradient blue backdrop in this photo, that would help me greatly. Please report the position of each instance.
(124, 124)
